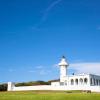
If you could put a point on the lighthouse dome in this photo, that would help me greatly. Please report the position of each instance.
(63, 62)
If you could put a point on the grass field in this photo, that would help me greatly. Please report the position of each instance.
(48, 95)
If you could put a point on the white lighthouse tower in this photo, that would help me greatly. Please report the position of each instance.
(63, 68)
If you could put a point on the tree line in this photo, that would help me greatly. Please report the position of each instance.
(3, 87)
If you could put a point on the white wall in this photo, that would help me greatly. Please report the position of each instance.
(49, 87)
(55, 83)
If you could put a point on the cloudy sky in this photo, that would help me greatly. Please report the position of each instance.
(34, 34)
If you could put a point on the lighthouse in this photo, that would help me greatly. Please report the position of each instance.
(63, 68)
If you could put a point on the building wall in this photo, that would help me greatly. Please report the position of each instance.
(94, 80)
(82, 79)
(49, 87)
(55, 83)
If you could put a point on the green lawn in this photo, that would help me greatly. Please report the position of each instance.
(47, 95)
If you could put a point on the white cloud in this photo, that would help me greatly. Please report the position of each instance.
(50, 7)
(46, 12)
(93, 68)
(11, 70)
(42, 72)
(55, 65)
(39, 67)
(98, 28)
(36, 69)
(31, 71)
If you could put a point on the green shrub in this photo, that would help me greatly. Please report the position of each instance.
(3, 87)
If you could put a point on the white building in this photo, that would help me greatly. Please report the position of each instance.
(75, 80)
(67, 82)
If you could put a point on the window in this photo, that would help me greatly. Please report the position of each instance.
(81, 81)
(99, 82)
(72, 82)
(96, 82)
(76, 81)
(91, 81)
(65, 82)
(62, 83)
(85, 80)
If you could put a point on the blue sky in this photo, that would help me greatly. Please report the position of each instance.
(34, 34)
